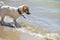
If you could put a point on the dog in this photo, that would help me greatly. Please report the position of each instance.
(14, 12)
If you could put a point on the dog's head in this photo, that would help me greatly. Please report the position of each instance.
(24, 9)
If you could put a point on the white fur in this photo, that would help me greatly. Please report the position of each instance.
(10, 11)
(21, 8)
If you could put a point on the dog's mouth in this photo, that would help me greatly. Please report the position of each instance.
(23, 16)
(28, 13)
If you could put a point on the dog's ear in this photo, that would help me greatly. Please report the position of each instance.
(25, 8)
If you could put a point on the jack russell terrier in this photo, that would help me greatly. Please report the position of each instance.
(13, 11)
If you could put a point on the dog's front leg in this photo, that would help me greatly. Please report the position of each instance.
(23, 16)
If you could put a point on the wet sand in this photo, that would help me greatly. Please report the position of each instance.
(8, 33)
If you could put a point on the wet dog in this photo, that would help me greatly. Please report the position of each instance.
(13, 11)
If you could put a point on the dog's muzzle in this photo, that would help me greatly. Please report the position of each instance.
(28, 13)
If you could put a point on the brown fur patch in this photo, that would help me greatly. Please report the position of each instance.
(25, 8)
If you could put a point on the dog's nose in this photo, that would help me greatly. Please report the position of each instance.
(28, 13)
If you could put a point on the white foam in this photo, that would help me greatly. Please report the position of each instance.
(21, 29)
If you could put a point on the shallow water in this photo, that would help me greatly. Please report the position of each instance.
(44, 13)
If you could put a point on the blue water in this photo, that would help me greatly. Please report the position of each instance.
(44, 13)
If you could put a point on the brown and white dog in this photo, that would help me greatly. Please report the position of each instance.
(13, 11)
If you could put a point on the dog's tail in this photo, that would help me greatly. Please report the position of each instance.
(1, 3)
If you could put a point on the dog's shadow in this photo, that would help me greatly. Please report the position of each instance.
(12, 25)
